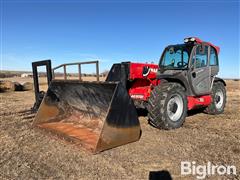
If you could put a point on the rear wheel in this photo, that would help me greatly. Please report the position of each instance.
(167, 106)
(218, 99)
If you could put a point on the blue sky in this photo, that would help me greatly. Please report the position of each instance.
(114, 31)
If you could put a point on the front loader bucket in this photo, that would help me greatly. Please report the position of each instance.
(98, 116)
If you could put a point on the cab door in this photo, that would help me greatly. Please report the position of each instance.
(199, 73)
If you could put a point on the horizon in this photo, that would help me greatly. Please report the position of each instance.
(112, 32)
(75, 73)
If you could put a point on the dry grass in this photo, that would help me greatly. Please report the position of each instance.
(28, 153)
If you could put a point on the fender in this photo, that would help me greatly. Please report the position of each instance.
(177, 77)
(217, 79)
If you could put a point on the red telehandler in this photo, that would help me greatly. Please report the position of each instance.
(102, 115)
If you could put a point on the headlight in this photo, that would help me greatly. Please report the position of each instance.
(192, 39)
(186, 40)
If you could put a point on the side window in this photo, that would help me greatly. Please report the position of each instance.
(201, 56)
(213, 57)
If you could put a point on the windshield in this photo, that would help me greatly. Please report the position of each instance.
(176, 57)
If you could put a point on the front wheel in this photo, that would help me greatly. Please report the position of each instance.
(218, 99)
(167, 106)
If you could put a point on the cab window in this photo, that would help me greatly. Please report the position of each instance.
(175, 57)
(213, 57)
(200, 57)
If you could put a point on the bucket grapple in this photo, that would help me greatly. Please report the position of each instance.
(95, 115)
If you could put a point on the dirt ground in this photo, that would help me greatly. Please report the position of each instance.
(30, 153)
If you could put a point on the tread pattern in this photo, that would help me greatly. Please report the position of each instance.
(157, 102)
(211, 109)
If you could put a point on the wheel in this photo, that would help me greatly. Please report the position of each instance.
(218, 99)
(167, 106)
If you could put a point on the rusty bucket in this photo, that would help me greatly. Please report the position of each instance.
(98, 116)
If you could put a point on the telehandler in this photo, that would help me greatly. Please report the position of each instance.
(102, 115)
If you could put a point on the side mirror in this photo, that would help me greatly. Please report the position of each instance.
(146, 71)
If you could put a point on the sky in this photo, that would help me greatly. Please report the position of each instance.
(114, 31)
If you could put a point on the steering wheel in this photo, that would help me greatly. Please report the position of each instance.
(182, 64)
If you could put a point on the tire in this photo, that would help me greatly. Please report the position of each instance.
(167, 106)
(219, 99)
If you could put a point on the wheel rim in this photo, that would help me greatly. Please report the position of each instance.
(219, 99)
(175, 107)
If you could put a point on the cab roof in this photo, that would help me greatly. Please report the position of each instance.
(199, 41)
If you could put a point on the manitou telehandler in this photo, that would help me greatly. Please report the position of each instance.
(102, 115)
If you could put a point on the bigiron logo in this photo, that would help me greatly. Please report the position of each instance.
(209, 169)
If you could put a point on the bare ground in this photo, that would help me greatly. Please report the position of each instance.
(29, 153)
